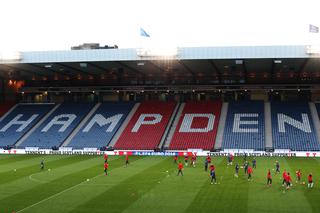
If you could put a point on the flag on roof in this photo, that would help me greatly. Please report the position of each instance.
(143, 33)
(313, 29)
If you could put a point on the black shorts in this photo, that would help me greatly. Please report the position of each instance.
(288, 183)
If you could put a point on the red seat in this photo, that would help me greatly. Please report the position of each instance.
(197, 140)
(146, 136)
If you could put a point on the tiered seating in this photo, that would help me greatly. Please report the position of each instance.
(4, 107)
(244, 126)
(30, 113)
(98, 135)
(147, 126)
(318, 108)
(194, 129)
(47, 136)
(297, 132)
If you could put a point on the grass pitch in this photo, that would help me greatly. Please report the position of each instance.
(150, 184)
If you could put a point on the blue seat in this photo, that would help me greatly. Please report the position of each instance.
(97, 136)
(54, 137)
(295, 133)
(237, 134)
(9, 135)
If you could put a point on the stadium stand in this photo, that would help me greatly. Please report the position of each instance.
(147, 126)
(197, 127)
(101, 127)
(21, 120)
(4, 107)
(292, 127)
(58, 125)
(244, 126)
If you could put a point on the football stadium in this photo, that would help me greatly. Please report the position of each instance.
(100, 128)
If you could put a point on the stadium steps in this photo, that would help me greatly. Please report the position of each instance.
(268, 125)
(124, 125)
(81, 124)
(315, 119)
(174, 126)
(8, 112)
(170, 124)
(222, 124)
(27, 134)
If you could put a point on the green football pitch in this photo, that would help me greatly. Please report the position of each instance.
(150, 184)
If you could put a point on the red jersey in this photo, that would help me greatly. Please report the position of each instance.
(105, 156)
(180, 166)
(209, 159)
(175, 157)
(186, 158)
(106, 165)
(212, 167)
(269, 175)
(127, 157)
(193, 158)
(298, 174)
(284, 175)
(288, 178)
(310, 178)
(250, 170)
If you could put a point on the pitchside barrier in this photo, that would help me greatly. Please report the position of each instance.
(95, 151)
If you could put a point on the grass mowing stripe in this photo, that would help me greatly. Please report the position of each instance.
(24, 184)
(70, 199)
(59, 161)
(275, 198)
(174, 193)
(43, 191)
(122, 195)
(307, 166)
(229, 196)
(4, 159)
(34, 160)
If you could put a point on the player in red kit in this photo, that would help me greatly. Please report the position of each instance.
(284, 176)
(288, 180)
(106, 165)
(269, 178)
(193, 160)
(298, 174)
(105, 157)
(186, 158)
(208, 159)
(249, 173)
(127, 160)
(310, 181)
(175, 158)
(180, 168)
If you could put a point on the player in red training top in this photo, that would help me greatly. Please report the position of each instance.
(249, 173)
(208, 159)
(284, 176)
(269, 178)
(298, 174)
(180, 168)
(175, 158)
(106, 165)
(186, 158)
(310, 181)
(105, 156)
(213, 174)
(127, 160)
(193, 160)
(288, 180)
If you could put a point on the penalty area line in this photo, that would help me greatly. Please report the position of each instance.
(57, 194)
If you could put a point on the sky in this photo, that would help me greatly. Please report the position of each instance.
(39, 25)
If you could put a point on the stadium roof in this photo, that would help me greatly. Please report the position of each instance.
(192, 65)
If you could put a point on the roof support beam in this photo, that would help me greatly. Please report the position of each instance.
(216, 69)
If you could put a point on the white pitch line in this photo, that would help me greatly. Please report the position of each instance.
(36, 180)
(55, 195)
